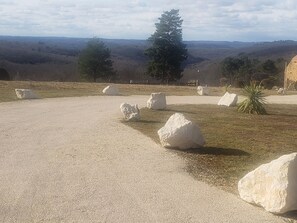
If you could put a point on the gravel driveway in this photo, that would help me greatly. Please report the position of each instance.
(71, 160)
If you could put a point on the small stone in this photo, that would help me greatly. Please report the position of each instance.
(202, 90)
(228, 100)
(281, 91)
(25, 94)
(111, 90)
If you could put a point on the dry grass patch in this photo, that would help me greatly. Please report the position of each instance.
(48, 89)
(236, 143)
(74, 89)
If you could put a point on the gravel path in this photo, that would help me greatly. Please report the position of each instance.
(71, 160)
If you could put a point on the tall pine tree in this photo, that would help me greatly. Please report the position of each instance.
(167, 51)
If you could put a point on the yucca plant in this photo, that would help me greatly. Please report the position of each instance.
(255, 101)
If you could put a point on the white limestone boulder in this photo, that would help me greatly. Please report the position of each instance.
(157, 101)
(202, 90)
(273, 185)
(130, 112)
(228, 100)
(25, 94)
(180, 133)
(111, 90)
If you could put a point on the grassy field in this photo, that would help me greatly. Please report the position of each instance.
(74, 89)
(236, 143)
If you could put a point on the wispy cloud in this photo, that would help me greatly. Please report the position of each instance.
(203, 20)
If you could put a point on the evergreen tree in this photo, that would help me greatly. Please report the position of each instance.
(167, 51)
(94, 61)
(4, 75)
(269, 67)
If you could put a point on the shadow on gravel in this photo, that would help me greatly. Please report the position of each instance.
(217, 151)
(290, 215)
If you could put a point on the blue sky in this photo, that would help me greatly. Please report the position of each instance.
(241, 20)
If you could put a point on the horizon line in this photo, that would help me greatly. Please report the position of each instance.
(134, 39)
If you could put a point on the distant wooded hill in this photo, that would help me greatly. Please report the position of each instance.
(55, 59)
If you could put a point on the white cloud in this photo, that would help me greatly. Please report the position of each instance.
(203, 20)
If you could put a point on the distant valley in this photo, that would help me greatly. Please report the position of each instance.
(55, 58)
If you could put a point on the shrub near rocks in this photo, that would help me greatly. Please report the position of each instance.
(255, 101)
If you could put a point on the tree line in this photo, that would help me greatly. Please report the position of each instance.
(241, 70)
(166, 53)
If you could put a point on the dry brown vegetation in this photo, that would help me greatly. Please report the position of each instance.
(236, 143)
(74, 89)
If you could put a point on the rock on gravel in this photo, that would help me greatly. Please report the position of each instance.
(272, 185)
(180, 133)
(157, 101)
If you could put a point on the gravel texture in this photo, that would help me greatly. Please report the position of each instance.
(72, 160)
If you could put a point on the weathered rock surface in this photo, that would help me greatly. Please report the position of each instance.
(157, 101)
(111, 90)
(228, 99)
(181, 133)
(25, 94)
(273, 185)
(130, 112)
(202, 90)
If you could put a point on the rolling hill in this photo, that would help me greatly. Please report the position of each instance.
(55, 58)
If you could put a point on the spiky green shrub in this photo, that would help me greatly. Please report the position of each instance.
(255, 101)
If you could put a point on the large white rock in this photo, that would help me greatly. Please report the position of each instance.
(157, 101)
(130, 112)
(25, 94)
(202, 90)
(111, 90)
(228, 99)
(272, 185)
(181, 133)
